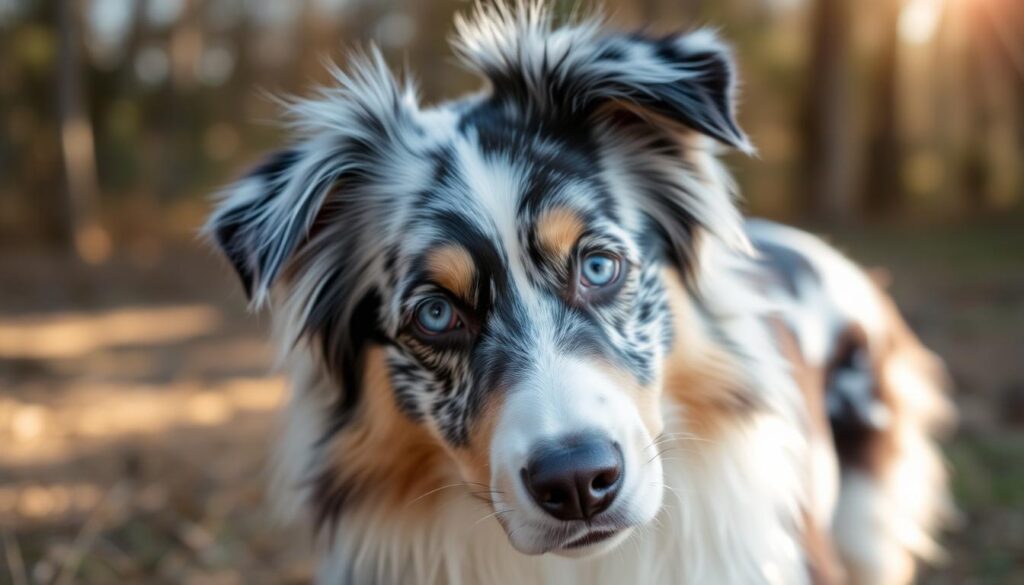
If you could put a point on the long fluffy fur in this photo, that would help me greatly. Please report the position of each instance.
(382, 429)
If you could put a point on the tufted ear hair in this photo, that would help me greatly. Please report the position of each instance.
(262, 220)
(685, 78)
(263, 216)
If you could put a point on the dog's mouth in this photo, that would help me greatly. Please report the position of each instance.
(592, 542)
(590, 538)
(582, 540)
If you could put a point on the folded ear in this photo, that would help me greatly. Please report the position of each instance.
(260, 220)
(265, 216)
(696, 88)
(685, 78)
(263, 219)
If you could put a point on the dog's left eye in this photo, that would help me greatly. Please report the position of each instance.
(599, 269)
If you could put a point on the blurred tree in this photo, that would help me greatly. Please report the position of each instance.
(310, 43)
(657, 11)
(1016, 23)
(1010, 29)
(183, 115)
(826, 165)
(883, 189)
(159, 101)
(982, 46)
(84, 234)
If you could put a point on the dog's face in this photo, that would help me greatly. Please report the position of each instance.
(506, 255)
(528, 321)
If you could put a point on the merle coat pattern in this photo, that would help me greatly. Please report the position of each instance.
(585, 145)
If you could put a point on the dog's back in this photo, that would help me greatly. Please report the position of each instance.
(883, 395)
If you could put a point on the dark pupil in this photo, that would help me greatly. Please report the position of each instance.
(436, 309)
(598, 266)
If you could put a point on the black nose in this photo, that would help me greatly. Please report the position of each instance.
(575, 479)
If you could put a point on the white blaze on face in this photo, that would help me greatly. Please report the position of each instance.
(561, 397)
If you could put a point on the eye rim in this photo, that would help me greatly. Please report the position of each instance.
(598, 294)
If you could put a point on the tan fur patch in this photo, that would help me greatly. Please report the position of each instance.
(474, 460)
(809, 379)
(822, 560)
(699, 375)
(383, 452)
(646, 399)
(911, 383)
(558, 230)
(821, 555)
(452, 267)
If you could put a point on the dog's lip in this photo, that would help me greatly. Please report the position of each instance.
(591, 537)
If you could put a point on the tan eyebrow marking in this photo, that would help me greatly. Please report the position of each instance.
(558, 230)
(452, 267)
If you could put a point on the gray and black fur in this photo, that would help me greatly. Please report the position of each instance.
(554, 111)
(619, 130)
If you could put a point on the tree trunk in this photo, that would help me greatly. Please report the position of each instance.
(186, 48)
(84, 236)
(1013, 49)
(976, 175)
(1018, 51)
(826, 164)
(883, 193)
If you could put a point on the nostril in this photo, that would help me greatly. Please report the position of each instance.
(552, 497)
(605, 479)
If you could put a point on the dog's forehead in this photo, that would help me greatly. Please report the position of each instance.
(501, 207)
(496, 186)
(500, 170)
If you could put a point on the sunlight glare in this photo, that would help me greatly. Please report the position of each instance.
(919, 20)
(74, 334)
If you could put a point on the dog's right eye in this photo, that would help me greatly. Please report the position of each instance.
(436, 315)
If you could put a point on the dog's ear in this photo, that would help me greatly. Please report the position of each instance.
(686, 78)
(264, 219)
(258, 224)
(266, 216)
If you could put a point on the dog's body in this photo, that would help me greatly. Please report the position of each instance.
(532, 321)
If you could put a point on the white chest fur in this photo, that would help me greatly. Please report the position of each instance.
(730, 516)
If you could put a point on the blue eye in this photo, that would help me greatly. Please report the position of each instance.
(599, 269)
(436, 315)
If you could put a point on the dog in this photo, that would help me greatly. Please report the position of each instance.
(531, 338)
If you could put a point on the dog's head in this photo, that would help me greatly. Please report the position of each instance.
(505, 261)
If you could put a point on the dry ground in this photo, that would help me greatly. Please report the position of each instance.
(136, 405)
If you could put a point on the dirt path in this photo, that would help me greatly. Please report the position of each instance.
(135, 410)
